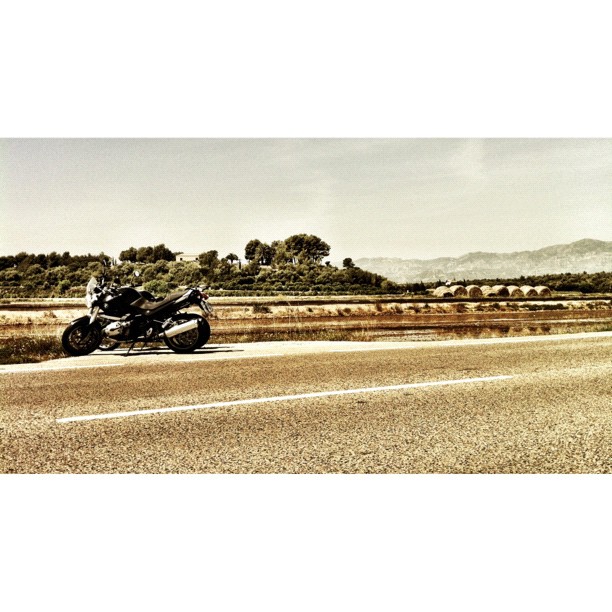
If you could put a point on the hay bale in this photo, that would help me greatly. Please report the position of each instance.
(458, 291)
(529, 291)
(543, 291)
(443, 291)
(514, 291)
(487, 291)
(500, 290)
(474, 291)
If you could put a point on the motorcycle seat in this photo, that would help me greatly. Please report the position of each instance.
(148, 307)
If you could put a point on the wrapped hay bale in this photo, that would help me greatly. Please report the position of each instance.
(515, 292)
(529, 291)
(474, 291)
(443, 291)
(458, 291)
(500, 290)
(543, 291)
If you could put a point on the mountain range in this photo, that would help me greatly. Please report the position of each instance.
(582, 256)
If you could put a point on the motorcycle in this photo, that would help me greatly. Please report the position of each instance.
(120, 314)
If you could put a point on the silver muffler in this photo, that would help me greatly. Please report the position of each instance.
(181, 329)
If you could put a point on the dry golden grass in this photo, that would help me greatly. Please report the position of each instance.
(33, 334)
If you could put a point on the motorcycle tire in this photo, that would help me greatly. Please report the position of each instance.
(81, 338)
(191, 340)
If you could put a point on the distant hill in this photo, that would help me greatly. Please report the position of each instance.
(581, 256)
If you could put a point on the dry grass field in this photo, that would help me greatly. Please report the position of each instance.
(30, 330)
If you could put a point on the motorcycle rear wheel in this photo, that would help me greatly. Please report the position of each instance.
(189, 341)
(81, 338)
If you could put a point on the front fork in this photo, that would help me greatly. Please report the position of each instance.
(93, 314)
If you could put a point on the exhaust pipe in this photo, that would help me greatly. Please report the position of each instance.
(182, 328)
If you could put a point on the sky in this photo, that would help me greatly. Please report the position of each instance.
(375, 197)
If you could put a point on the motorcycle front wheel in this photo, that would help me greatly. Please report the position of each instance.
(81, 338)
(189, 341)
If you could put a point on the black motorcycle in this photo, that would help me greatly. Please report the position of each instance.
(124, 314)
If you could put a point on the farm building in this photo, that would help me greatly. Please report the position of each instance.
(186, 257)
(528, 291)
(514, 291)
(473, 291)
(543, 291)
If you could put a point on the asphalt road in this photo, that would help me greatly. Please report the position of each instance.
(535, 404)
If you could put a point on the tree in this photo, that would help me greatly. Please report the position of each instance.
(264, 254)
(145, 255)
(347, 262)
(306, 247)
(259, 251)
(208, 261)
(54, 260)
(40, 260)
(161, 252)
(232, 257)
(316, 248)
(250, 250)
(281, 255)
(128, 255)
(251, 269)
(7, 262)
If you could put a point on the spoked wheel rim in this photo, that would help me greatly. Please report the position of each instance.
(81, 339)
(190, 340)
(186, 339)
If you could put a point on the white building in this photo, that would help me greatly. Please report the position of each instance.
(186, 257)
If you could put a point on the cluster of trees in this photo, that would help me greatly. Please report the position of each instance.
(297, 249)
(147, 254)
(293, 265)
(23, 261)
(28, 274)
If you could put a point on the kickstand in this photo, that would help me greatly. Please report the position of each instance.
(146, 341)
(131, 347)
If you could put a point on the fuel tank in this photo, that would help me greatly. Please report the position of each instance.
(121, 304)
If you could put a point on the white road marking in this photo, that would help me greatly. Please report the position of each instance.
(280, 398)
(54, 369)
(374, 348)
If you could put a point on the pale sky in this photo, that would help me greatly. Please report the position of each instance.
(408, 198)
